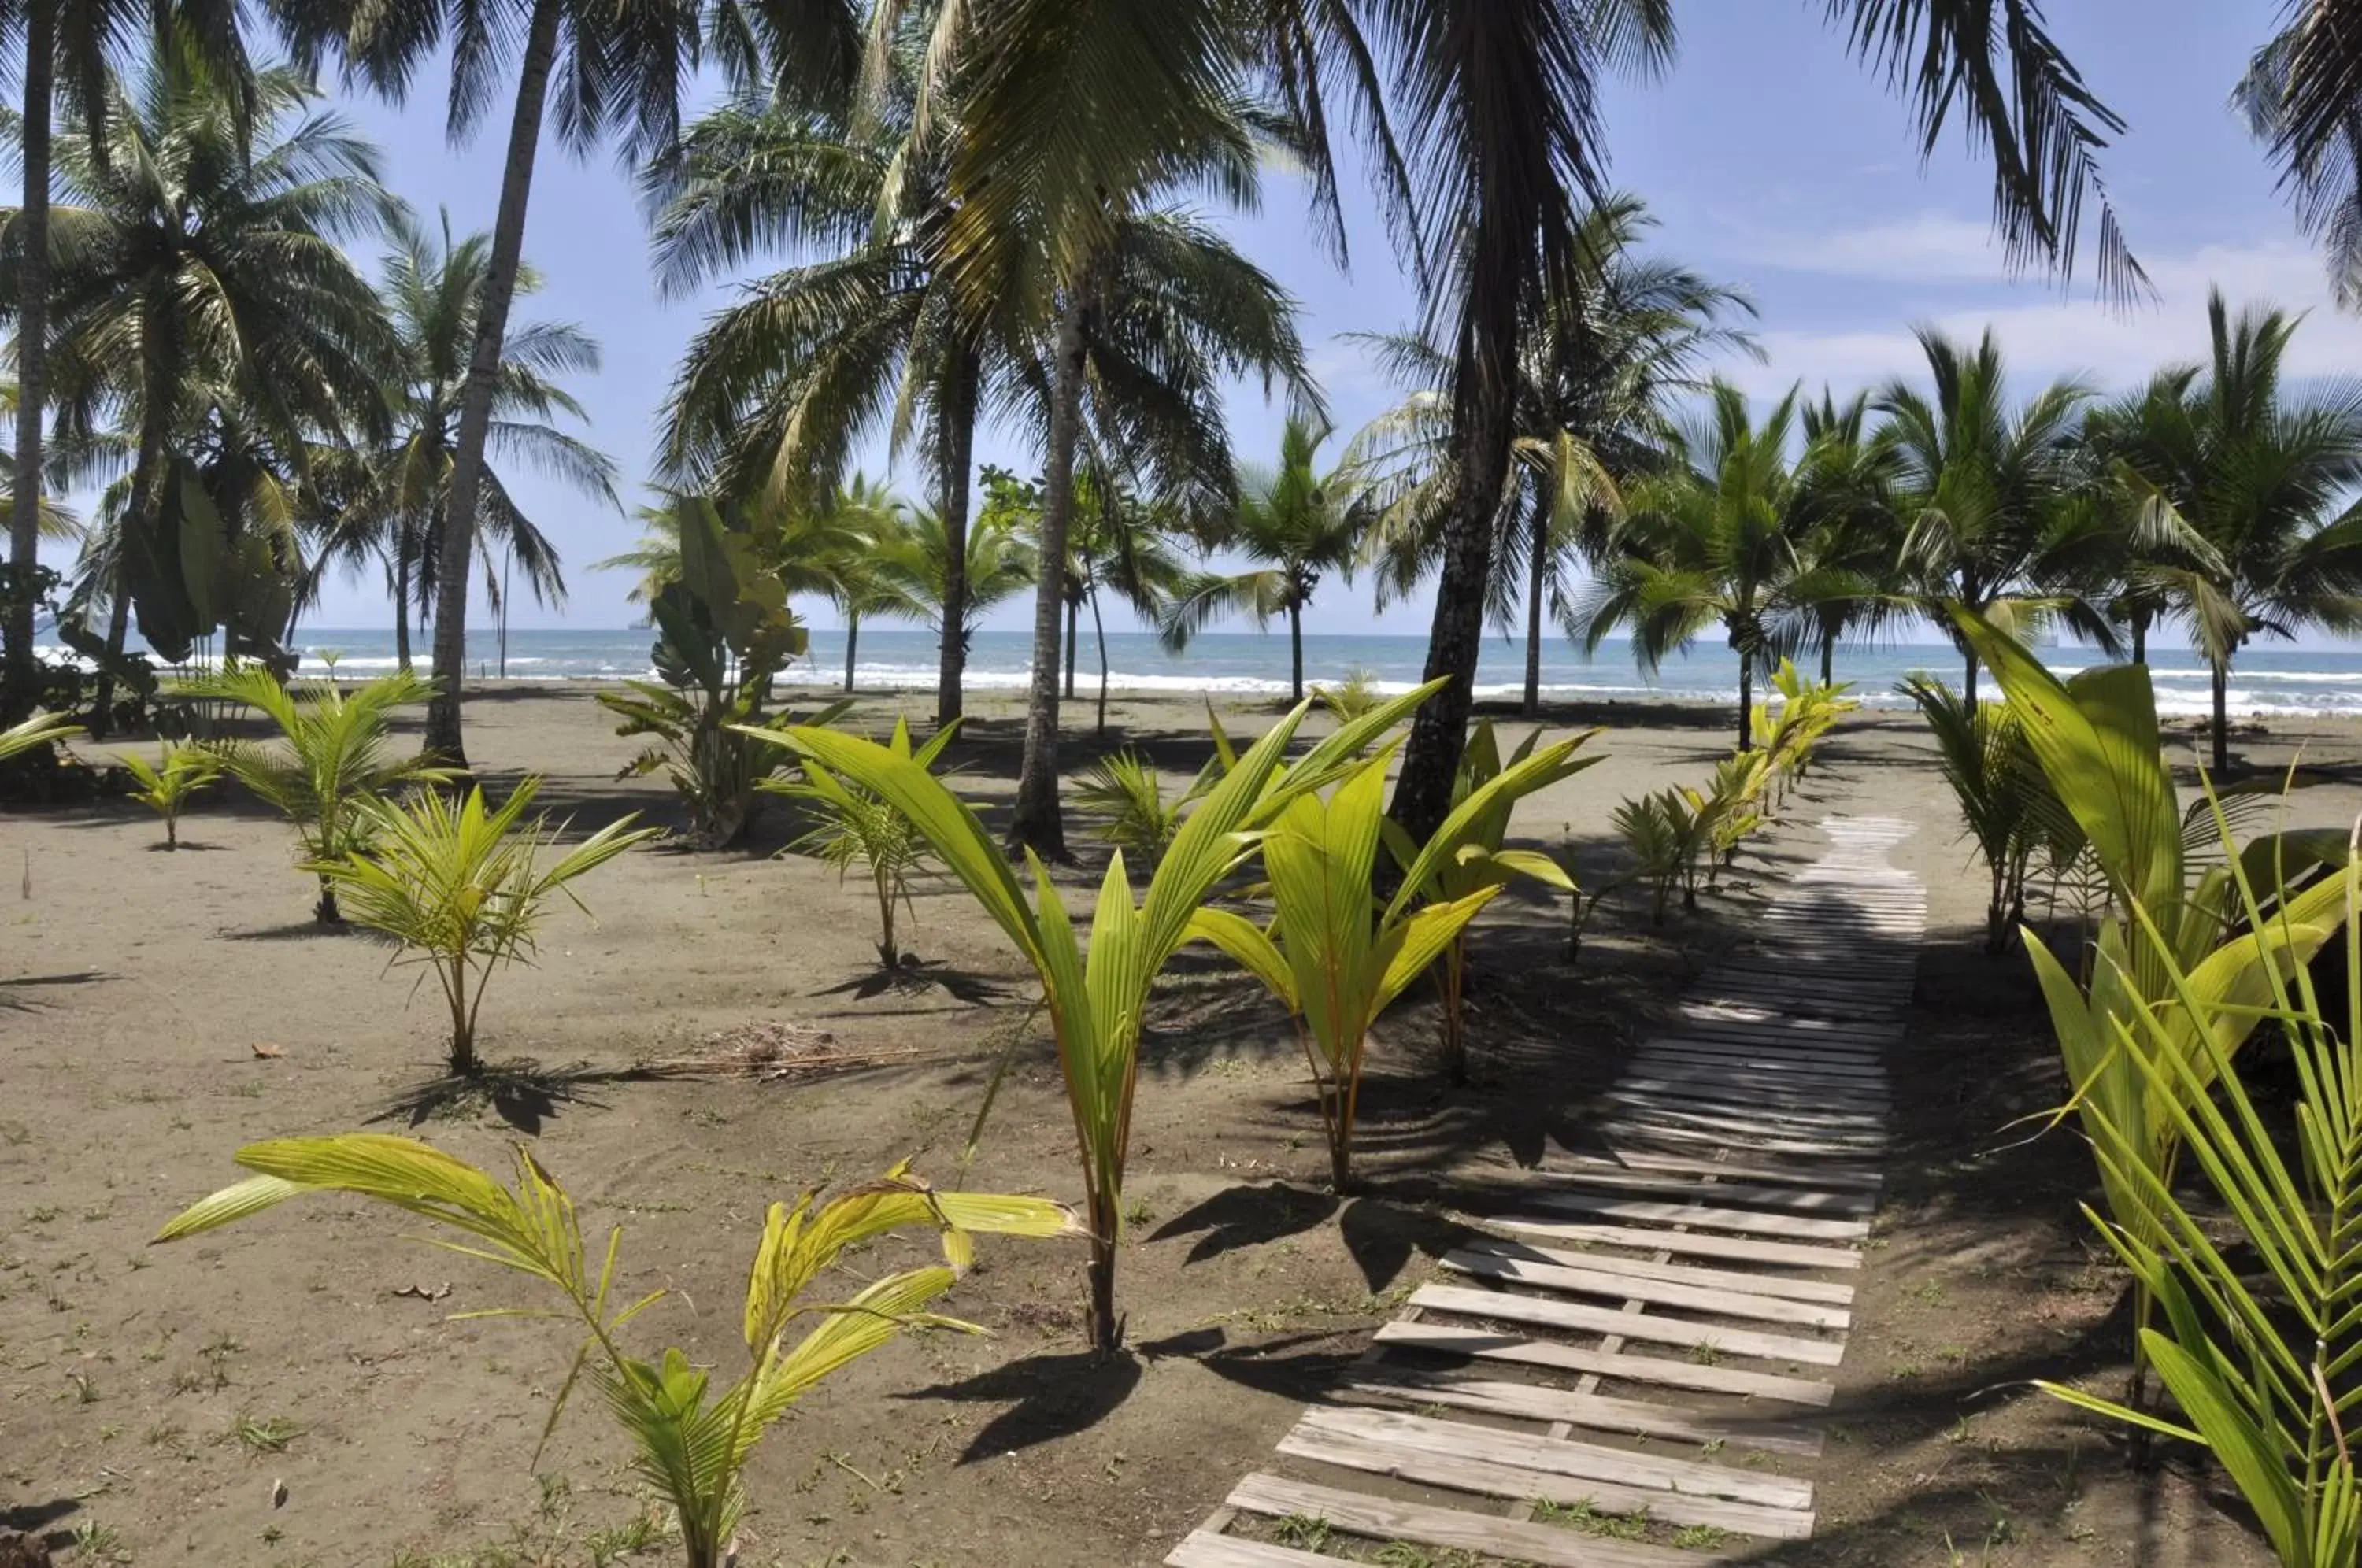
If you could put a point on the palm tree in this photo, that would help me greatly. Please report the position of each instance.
(618, 68)
(1296, 520)
(1713, 542)
(915, 570)
(1851, 578)
(2303, 95)
(1124, 544)
(68, 45)
(394, 503)
(200, 294)
(1981, 490)
(2261, 479)
(864, 518)
(1598, 374)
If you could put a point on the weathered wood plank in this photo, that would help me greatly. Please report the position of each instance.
(1788, 1287)
(1696, 1136)
(1709, 1300)
(1203, 1548)
(1744, 1194)
(1697, 1110)
(1463, 1474)
(1561, 1456)
(1486, 1344)
(1384, 1518)
(1706, 1217)
(1532, 1402)
(1872, 1099)
(1739, 1249)
(1859, 1178)
(1573, 1316)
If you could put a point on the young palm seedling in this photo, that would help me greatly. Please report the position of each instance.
(40, 730)
(1095, 997)
(463, 888)
(331, 760)
(690, 1442)
(1335, 962)
(860, 829)
(178, 772)
(1481, 862)
(1126, 798)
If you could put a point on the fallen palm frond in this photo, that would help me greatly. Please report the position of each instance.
(771, 1050)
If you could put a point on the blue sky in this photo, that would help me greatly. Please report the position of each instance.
(1773, 160)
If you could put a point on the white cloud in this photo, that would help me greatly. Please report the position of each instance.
(1931, 247)
(2048, 332)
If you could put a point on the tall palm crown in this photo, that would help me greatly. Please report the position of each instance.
(1978, 485)
(2302, 95)
(2263, 478)
(198, 283)
(393, 505)
(1296, 520)
(66, 49)
(618, 69)
(914, 567)
(1719, 540)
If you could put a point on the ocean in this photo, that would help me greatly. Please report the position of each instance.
(2264, 682)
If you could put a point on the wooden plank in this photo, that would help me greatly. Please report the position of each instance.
(1767, 1061)
(1488, 1344)
(1452, 1530)
(1559, 1456)
(1696, 1136)
(1864, 1069)
(1861, 1179)
(1743, 1117)
(1704, 1217)
(1204, 1549)
(1787, 1036)
(1737, 1249)
(1785, 1286)
(1534, 1402)
(1743, 1193)
(1756, 1018)
(1800, 1104)
(1579, 1281)
(1860, 1094)
(1460, 1471)
(1573, 1316)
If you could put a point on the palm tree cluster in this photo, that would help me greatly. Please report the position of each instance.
(2214, 497)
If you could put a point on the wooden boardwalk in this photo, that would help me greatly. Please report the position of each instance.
(1645, 1331)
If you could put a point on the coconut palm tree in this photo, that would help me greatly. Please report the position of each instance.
(1299, 524)
(67, 48)
(1980, 488)
(1123, 544)
(199, 296)
(2302, 95)
(394, 503)
(1715, 541)
(2262, 477)
(915, 571)
(1849, 580)
(863, 517)
(618, 69)
(1596, 382)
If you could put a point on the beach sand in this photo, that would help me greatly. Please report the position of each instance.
(163, 1008)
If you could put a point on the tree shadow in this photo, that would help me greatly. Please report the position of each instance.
(521, 1093)
(12, 988)
(914, 976)
(24, 1542)
(1247, 1217)
(186, 846)
(1306, 1367)
(1056, 1396)
(306, 931)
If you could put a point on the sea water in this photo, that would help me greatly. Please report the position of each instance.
(2264, 681)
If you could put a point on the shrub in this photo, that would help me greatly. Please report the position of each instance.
(462, 888)
(690, 1444)
(329, 763)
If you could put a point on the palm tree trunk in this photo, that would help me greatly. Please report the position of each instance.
(401, 604)
(1296, 652)
(1074, 611)
(1538, 570)
(1745, 701)
(955, 443)
(443, 734)
(2221, 681)
(1037, 823)
(2140, 638)
(118, 628)
(852, 643)
(1968, 686)
(1481, 432)
(20, 681)
(1828, 658)
(1098, 634)
(142, 523)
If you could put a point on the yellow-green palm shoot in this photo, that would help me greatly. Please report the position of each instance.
(1095, 997)
(2259, 1342)
(1335, 958)
(40, 730)
(1481, 861)
(2182, 948)
(857, 828)
(165, 786)
(690, 1442)
(463, 887)
(333, 754)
